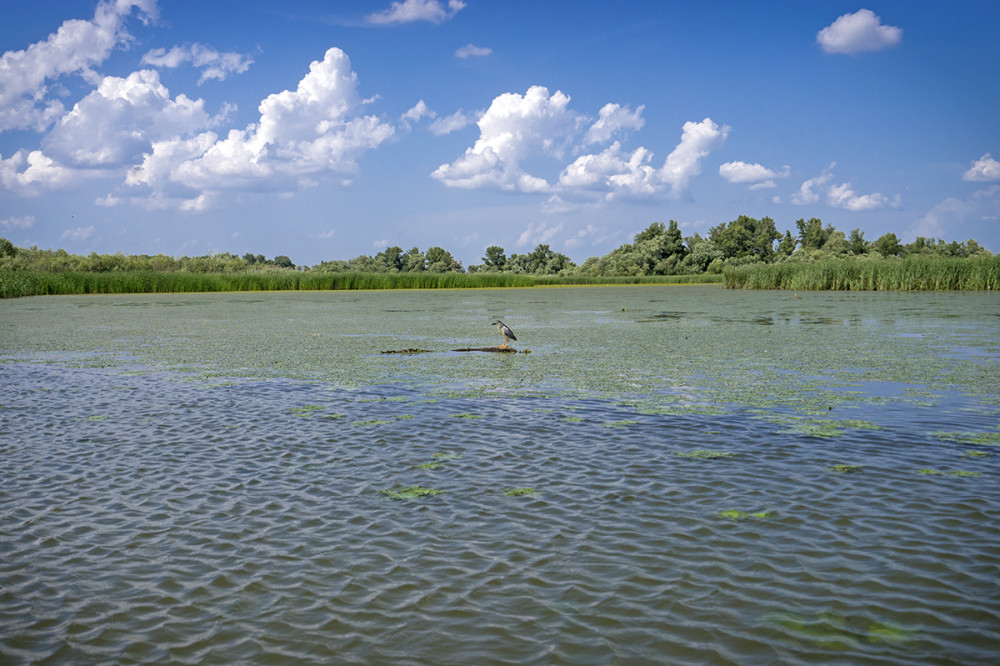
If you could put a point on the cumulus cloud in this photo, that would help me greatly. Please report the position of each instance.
(613, 118)
(119, 121)
(860, 31)
(453, 123)
(985, 169)
(409, 11)
(30, 173)
(471, 50)
(757, 175)
(842, 196)
(513, 128)
(517, 129)
(75, 48)
(577, 239)
(214, 65)
(807, 192)
(313, 129)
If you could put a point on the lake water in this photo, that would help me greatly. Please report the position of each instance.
(671, 475)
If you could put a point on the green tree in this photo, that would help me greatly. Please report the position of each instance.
(283, 261)
(888, 245)
(495, 259)
(745, 237)
(7, 248)
(414, 261)
(812, 234)
(391, 259)
(856, 242)
(787, 245)
(440, 260)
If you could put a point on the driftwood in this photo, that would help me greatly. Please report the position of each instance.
(503, 350)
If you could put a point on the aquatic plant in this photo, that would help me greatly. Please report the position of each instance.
(703, 454)
(969, 437)
(370, 422)
(838, 631)
(846, 469)
(519, 492)
(952, 472)
(466, 415)
(624, 423)
(400, 492)
(743, 515)
(975, 454)
(306, 410)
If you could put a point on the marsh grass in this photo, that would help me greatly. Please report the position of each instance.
(14, 284)
(914, 273)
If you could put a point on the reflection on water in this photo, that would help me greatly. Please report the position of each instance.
(201, 478)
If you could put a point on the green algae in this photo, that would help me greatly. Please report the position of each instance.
(744, 515)
(519, 492)
(950, 472)
(466, 415)
(365, 423)
(991, 438)
(401, 492)
(624, 423)
(847, 469)
(837, 631)
(703, 454)
(975, 454)
(307, 410)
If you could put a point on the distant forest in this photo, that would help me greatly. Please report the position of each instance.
(660, 249)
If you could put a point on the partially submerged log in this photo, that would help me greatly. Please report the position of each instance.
(508, 350)
(407, 351)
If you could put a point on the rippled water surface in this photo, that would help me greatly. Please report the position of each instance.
(671, 475)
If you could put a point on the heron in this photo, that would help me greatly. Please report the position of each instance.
(507, 334)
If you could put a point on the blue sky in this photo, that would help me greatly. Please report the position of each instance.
(325, 130)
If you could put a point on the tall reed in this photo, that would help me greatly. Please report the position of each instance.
(914, 273)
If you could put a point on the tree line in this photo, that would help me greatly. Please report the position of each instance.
(660, 249)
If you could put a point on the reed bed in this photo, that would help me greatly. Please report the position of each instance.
(914, 273)
(15, 284)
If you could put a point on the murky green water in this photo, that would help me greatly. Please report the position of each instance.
(671, 475)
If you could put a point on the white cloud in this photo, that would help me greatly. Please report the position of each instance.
(842, 196)
(471, 50)
(697, 140)
(328, 234)
(946, 218)
(612, 119)
(77, 234)
(582, 234)
(418, 111)
(516, 129)
(806, 193)
(985, 169)
(116, 123)
(860, 31)
(213, 65)
(513, 128)
(408, 11)
(18, 222)
(29, 173)
(757, 175)
(453, 123)
(76, 47)
(538, 233)
(313, 129)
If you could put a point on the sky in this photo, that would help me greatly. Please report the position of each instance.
(324, 130)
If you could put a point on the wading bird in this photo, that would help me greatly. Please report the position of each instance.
(507, 334)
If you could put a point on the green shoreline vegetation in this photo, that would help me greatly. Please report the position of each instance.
(745, 253)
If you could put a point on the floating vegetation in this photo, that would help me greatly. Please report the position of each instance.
(620, 424)
(519, 492)
(400, 492)
(975, 454)
(466, 415)
(370, 422)
(846, 469)
(837, 631)
(397, 398)
(743, 515)
(572, 419)
(307, 410)
(969, 437)
(703, 454)
(951, 472)
(95, 417)
(438, 460)
(446, 456)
